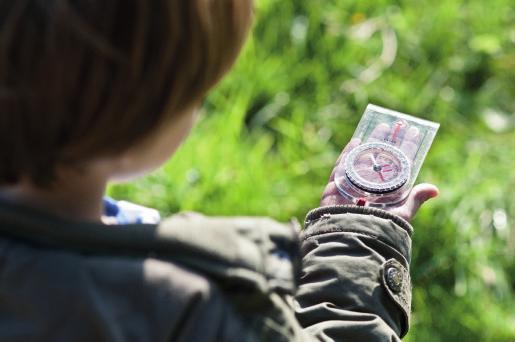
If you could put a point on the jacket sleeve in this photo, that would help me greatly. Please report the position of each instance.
(355, 282)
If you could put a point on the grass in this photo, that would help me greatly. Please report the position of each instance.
(274, 127)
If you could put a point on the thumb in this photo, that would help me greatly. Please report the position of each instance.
(420, 194)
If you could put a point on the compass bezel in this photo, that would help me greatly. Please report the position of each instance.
(373, 187)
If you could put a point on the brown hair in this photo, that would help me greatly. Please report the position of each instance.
(80, 79)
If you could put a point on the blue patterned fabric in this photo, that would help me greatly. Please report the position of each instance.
(123, 212)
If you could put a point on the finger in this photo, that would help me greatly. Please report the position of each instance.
(354, 142)
(331, 196)
(380, 133)
(330, 190)
(411, 142)
(334, 200)
(335, 170)
(418, 196)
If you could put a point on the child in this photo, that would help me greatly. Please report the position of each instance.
(98, 91)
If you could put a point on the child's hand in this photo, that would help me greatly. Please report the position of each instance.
(418, 195)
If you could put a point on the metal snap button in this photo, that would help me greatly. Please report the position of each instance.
(394, 279)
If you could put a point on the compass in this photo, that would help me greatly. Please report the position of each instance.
(377, 167)
(381, 162)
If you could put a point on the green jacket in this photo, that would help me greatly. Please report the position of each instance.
(194, 278)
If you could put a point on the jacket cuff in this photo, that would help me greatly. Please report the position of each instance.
(317, 213)
(381, 226)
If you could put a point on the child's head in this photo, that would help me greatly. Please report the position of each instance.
(81, 80)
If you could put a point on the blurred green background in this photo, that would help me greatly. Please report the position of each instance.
(272, 130)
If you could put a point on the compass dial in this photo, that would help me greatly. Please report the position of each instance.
(377, 167)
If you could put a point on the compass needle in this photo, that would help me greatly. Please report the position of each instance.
(374, 162)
